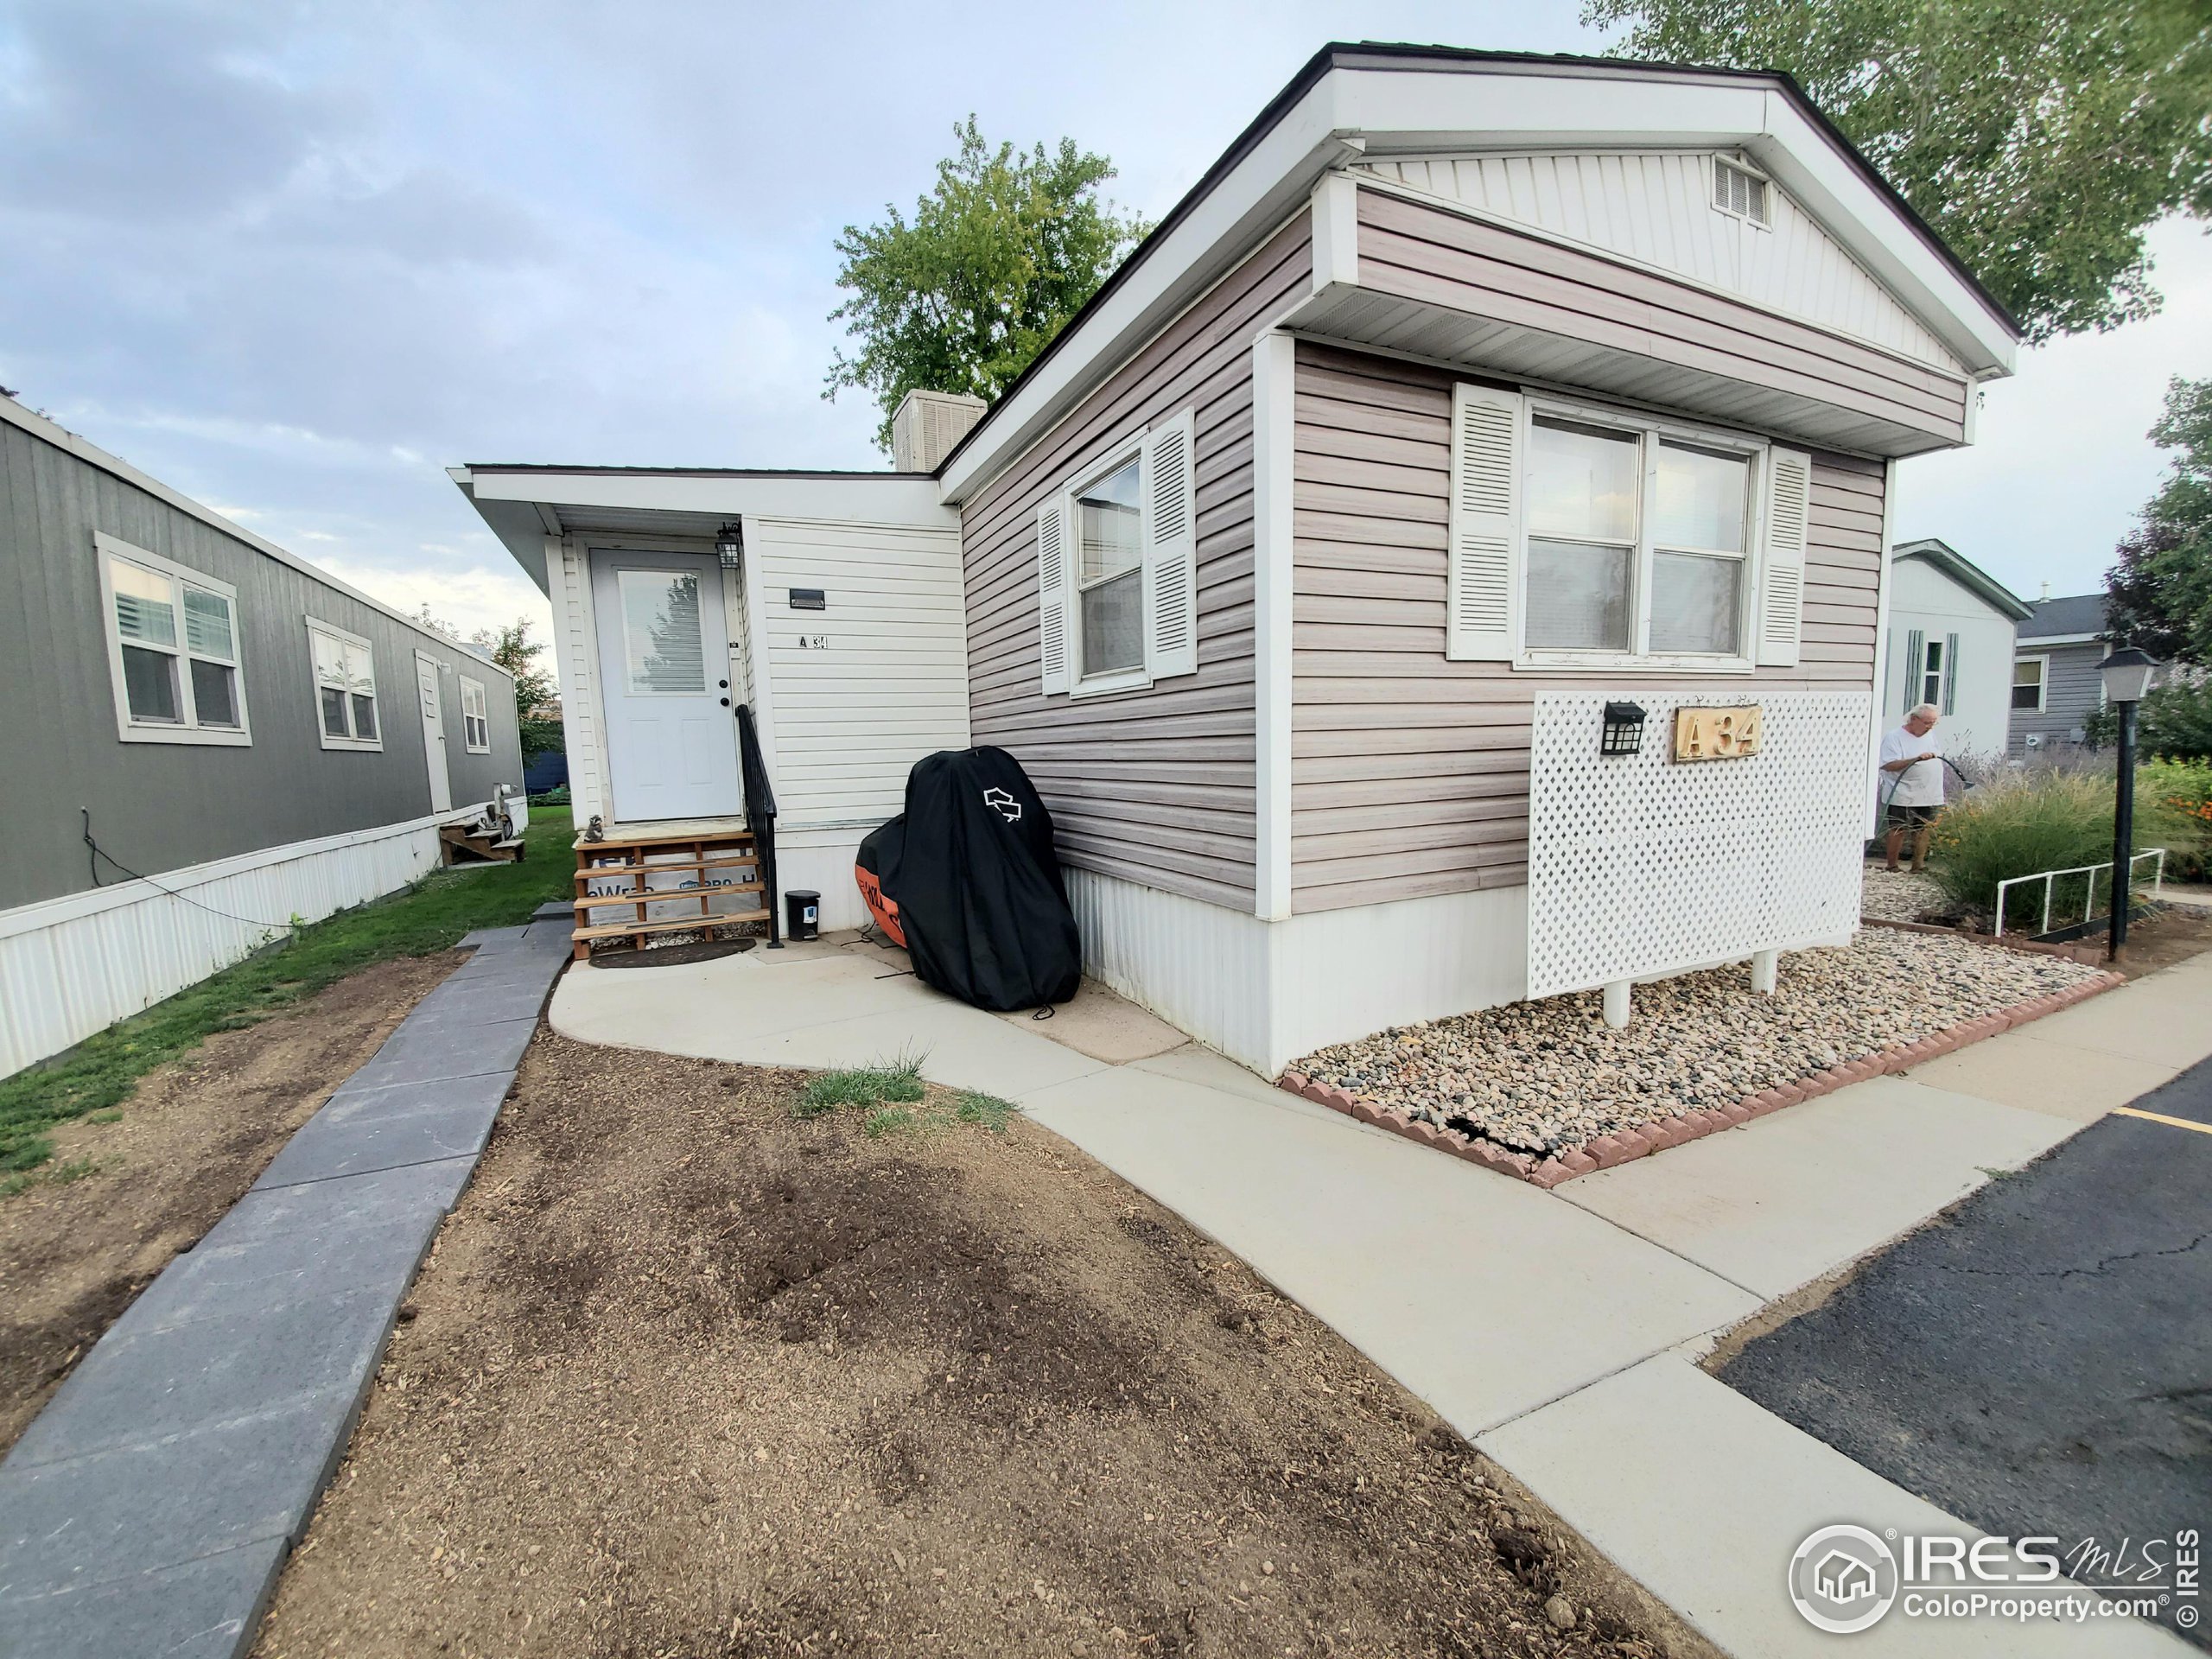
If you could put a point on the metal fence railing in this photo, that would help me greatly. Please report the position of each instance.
(2051, 878)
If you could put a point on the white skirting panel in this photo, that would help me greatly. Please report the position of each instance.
(74, 965)
(1264, 993)
(823, 860)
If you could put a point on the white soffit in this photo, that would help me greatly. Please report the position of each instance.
(1413, 105)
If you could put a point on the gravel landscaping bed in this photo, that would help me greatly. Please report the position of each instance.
(1537, 1081)
(1900, 895)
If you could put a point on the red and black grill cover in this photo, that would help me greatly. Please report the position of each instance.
(966, 878)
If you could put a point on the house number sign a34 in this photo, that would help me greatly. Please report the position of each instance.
(1716, 734)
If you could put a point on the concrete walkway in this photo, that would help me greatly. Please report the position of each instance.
(150, 1507)
(1559, 1331)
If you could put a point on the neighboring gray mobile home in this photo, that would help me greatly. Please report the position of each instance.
(220, 717)
(1468, 400)
(2056, 684)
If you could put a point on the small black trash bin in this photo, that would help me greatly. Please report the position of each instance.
(802, 914)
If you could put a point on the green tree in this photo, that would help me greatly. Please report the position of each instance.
(537, 711)
(2160, 592)
(2039, 137)
(999, 255)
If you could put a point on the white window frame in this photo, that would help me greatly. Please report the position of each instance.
(1638, 658)
(478, 718)
(2042, 660)
(186, 728)
(1930, 666)
(343, 637)
(1712, 190)
(1123, 679)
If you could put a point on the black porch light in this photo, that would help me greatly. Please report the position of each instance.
(1623, 729)
(729, 544)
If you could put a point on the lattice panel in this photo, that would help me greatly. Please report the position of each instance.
(1639, 864)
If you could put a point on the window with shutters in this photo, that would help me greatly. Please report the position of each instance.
(475, 717)
(1116, 568)
(1639, 543)
(173, 650)
(345, 687)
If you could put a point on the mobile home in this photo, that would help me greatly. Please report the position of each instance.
(1480, 434)
(205, 737)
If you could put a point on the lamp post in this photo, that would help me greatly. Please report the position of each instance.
(2126, 675)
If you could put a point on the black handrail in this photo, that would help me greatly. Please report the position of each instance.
(760, 814)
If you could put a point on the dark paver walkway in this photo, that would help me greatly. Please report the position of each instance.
(151, 1506)
(2041, 1363)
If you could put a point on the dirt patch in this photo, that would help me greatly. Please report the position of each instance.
(2174, 934)
(193, 1138)
(686, 1376)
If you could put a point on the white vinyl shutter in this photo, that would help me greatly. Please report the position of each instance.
(1053, 597)
(1482, 596)
(1171, 543)
(1781, 586)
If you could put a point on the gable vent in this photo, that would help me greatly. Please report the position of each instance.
(1735, 191)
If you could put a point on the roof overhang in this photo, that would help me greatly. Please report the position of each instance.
(1969, 575)
(523, 505)
(1383, 100)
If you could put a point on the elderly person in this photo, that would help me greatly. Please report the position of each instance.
(1912, 784)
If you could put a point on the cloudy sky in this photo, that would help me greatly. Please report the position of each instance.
(294, 259)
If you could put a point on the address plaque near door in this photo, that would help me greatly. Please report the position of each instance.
(1717, 734)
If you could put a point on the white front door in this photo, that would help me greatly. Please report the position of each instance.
(664, 666)
(434, 732)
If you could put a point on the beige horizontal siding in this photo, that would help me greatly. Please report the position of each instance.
(1154, 785)
(1432, 254)
(1410, 773)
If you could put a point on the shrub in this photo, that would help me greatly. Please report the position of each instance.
(2034, 822)
(2182, 788)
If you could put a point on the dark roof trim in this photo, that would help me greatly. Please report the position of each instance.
(1968, 574)
(1328, 58)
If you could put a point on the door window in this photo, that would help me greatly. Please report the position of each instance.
(664, 648)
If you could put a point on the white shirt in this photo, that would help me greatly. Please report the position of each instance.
(1919, 785)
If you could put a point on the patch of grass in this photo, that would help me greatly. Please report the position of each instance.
(898, 1079)
(987, 1110)
(111, 1116)
(57, 1175)
(2032, 822)
(431, 916)
(889, 1120)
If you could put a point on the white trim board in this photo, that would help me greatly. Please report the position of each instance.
(39, 427)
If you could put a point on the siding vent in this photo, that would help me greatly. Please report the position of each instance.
(1735, 191)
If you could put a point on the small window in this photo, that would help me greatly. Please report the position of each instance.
(475, 717)
(1931, 674)
(664, 645)
(173, 649)
(2028, 673)
(1739, 191)
(346, 688)
(1110, 573)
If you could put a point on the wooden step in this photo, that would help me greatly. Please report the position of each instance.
(665, 895)
(595, 872)
(682, 924)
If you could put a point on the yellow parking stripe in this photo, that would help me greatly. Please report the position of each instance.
(2160, 1117)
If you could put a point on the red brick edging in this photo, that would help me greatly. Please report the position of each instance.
(1619, 1148)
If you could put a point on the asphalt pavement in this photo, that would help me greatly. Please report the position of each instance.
(2037, 1360)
